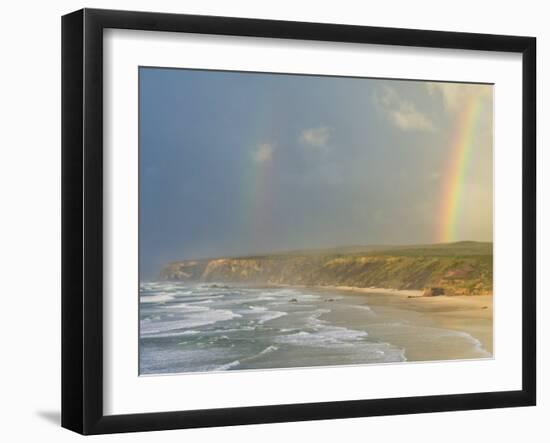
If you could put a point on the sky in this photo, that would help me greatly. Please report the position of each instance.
(236, 163)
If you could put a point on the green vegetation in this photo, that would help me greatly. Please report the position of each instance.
(453, 268)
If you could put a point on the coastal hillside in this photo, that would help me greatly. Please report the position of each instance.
(462, 268)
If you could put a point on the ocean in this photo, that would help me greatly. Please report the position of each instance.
(216, 327)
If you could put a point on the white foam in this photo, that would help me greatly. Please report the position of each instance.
(257, 299)
(269, 349)
(281, 292)
(304, 297)
(194, 319)
(478, 346)
(187, 307)
(228, 366)
(313, 320)
(271, 315)
(191, 332)
(229, 330)
(160, 285)
(183, 293)
(326, 337)
(384, 352)
(157, 298)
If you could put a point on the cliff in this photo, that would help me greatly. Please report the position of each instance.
(464, 268)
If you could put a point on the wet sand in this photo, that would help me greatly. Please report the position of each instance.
(416, 317)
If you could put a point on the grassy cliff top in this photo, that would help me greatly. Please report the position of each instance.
(456, 249)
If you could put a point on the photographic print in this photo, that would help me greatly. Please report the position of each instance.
(295, 221)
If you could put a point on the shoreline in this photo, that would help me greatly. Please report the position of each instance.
(371, 290)
(410, 293)
(471, 314)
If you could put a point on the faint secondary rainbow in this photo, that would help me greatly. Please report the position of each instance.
(258, 176)
(452, 196)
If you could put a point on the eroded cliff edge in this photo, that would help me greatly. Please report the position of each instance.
(464, 268)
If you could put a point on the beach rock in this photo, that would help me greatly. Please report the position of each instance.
(433, 292)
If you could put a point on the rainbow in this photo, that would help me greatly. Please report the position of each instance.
(258, 179)
(462, 146)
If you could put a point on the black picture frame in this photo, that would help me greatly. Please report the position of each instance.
(82, 220)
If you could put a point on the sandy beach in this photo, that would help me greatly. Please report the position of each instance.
(471, 315)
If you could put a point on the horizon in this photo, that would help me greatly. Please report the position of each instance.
(236, 164)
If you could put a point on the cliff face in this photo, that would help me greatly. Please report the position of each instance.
(438, 273)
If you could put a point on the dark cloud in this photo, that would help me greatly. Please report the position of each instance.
(234, 163)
